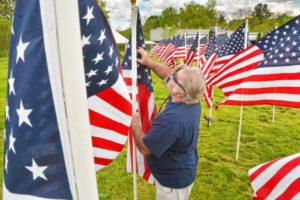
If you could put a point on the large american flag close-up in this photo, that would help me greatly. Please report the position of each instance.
(109, 103)
(277, 179)
(276, 80)
(145, 102)
(34, 165)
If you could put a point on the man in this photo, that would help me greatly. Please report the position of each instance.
(170, 146)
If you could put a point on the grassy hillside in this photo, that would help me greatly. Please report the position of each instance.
(219, 175)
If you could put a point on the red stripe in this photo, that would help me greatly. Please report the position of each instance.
(292, 104)
(116, 100)
(277, 90)
(102, 161)
(291, 191)
(106, 144)
(99, 120)
(260, 170)
(269, 186)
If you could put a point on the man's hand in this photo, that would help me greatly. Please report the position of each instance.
(135, 121)
(144, 59)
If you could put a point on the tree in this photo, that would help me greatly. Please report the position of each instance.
(262, 12)
(102, 5)
(169, 31)
(6, 9)
(169, 17)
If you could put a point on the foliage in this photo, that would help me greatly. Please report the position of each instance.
(6, 9)
(102, 5)
(4, 37)
(261, 12)
(169, 32)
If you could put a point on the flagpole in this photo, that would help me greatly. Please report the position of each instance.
(241, 108)
(134, 85)
(199, 48)
(74, 90)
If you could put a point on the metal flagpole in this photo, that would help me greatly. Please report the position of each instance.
(241, 109)
(74, 94)
(134, 85)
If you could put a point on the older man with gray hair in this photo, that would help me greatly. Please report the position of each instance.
(170, 146)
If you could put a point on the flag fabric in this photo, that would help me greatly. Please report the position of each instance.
(145, 102)
(235, 69)
(171, 47)
(278, 179)
(163, 47)
(180, 50)
(34, 163)
(222, 39)
(109, 103)
(178, 43)
(210, 54)
(201, 48)
(276, 80)
(192, 51)
(156, 48)
(229, 47)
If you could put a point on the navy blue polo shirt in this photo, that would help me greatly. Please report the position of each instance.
(172, 140)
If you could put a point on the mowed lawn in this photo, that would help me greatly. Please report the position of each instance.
(219, 175)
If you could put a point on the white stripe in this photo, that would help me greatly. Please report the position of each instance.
(284, 183)
(98, 105)
(140, 163)
(237, 67)
(151, 179)
(277, 70)
(251, 171)
(151, 105)
(7, 195)
(121, 88)
(108, 134)
(104, 153)
(99, 167)
(127, 73)
(296, 197)
(265, 84)
(268, 96)
(270, 171)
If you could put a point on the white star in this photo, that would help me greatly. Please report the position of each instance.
(294, 54)
(102, 36)
(6, 162)
(129, 58)
(288, 39)
(37, 171)
(102, 82)
(128, 46)
(297, 21)
(88, 84)
(21, 50)
(85, 40)
(89, 15)
(7, 112)
(92, 73)
(111, 51)
(98, 58)
(275, 61)
(108, 70)
(287, 60)
(281, 55)
(23, 115)
(295, 32)
(11, 82)
(12, 142)
(294, 43)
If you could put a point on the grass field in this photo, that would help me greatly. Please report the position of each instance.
(219, 175)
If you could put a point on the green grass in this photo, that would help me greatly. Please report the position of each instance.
(219, 175)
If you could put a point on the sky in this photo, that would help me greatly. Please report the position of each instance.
(120, 10)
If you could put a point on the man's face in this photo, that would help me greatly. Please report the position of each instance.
(172, 80)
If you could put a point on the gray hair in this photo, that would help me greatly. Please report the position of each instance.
(193, 82)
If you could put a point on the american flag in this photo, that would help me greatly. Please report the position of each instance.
(181, 49)
(236, 69)
(163, 47)
(222, 39)
(230, 47)
(145, 104)
(109, 102)
(210, 54)
(169, 49)
(276, 80)
(201, 48)
(192, 51)
(156, 47)
(278, 179)
(171, 60)
(34, 164)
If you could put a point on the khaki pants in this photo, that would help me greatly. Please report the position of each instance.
(165, 193)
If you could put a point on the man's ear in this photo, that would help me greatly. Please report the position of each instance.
(179, 94)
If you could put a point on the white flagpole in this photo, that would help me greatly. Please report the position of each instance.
(134, 85)
(198, 64)
(71, 62)
(185, 42)
(241, 109)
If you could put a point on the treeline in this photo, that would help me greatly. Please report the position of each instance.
(194, 16)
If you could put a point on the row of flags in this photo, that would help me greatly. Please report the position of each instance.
(34, 155)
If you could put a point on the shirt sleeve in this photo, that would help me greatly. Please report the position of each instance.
(162, 135)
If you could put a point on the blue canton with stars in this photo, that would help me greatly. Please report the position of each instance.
(144, 74)
(212, 46)
(34, 163)
(100, 54)
(234, 44)
(281, 46)
(179, 42)
(222, 39)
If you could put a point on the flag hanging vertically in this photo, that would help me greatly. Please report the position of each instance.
(34, 162)
(145, 102)
(109, 103)
(276, 80)
(278, 179)
(192, 51)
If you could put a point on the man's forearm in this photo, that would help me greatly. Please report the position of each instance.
(161, 70)
(138, 139)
